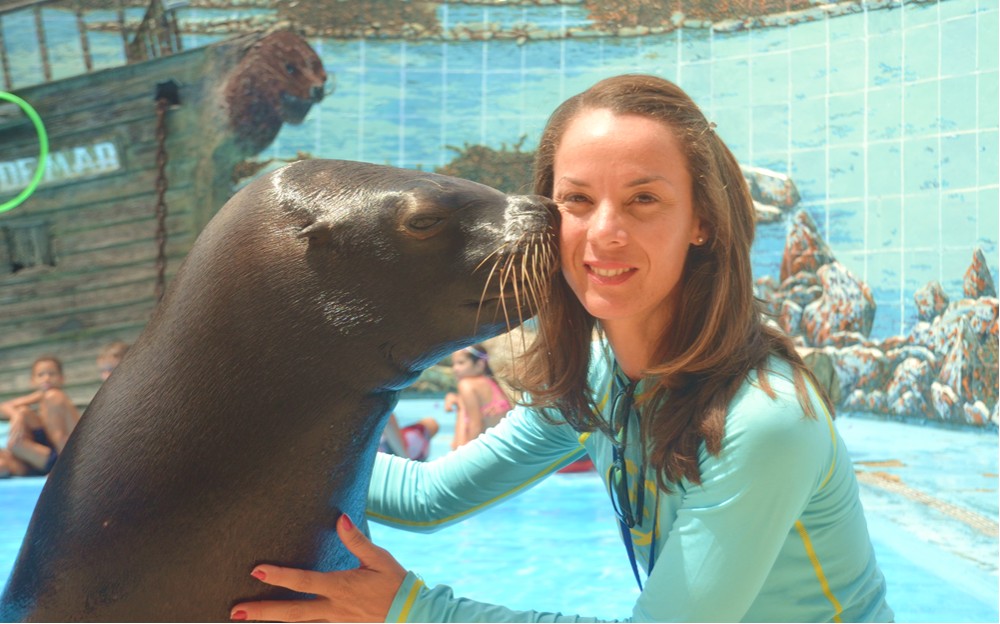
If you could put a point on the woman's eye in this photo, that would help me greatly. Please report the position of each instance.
(572, 198)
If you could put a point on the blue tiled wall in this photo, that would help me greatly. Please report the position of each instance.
(886, 119)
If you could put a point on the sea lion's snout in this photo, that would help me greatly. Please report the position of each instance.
(529, 215)
(525, 259)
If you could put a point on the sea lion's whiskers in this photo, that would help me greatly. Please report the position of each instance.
(503, 300)
(505, 275)
(540, 256)
(493, 253)
(486, 285)
(515, 281)
(526, 278)
(526, 283)
(532, 278)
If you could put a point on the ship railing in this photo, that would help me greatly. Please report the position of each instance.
(158, 34)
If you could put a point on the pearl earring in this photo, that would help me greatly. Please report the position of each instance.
(701, 240)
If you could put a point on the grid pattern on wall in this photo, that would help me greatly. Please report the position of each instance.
(887, 120)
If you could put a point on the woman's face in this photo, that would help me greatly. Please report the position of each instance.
(624, 191)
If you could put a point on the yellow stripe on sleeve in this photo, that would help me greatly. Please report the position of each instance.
(819, 570)
(404, 613)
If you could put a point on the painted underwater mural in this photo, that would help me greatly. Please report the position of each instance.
(878, 248)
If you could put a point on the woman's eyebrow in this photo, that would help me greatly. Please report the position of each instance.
(648, 179)
(572, 181)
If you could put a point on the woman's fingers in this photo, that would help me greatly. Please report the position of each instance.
(280, 611)
(304, 581)
(369, 555)
(360, 595)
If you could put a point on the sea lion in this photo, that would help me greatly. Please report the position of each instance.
(246, 416)
(277, 81)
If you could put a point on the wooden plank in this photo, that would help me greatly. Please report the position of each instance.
(73, 128)
(73, 305)
(91, 91)
(97, 215)
(94, 278)
(10, 6)
(110, 187)
(114, 234)
(81, 323)
(126, 252)
(65, 297)
(109, 98)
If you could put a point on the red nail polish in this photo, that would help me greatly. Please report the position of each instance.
(347, 522)
(238, 615)
(259, 575)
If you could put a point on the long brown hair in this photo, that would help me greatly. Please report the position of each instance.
(716, 337)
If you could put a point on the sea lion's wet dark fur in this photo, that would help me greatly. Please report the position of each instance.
(246, 416)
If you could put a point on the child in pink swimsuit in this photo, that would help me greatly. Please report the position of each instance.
(480, 401)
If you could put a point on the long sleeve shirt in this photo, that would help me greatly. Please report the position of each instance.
(774, 532)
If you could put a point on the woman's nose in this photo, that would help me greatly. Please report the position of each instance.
(607, 225)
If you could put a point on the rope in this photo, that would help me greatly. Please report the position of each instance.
(162, 104)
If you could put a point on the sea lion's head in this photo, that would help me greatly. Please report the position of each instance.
(403, 266)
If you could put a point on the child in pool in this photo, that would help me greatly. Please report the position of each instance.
(480, 402)
(412, 441)
(40, 422)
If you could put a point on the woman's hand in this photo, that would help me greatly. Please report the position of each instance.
(360, 595)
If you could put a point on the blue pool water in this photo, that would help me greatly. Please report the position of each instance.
(555, 546)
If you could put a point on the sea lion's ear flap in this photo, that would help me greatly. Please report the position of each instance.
(318, 233)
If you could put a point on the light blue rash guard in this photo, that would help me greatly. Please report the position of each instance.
(775, 532)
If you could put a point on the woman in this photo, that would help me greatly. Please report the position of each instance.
(735, 495)
(480, 402)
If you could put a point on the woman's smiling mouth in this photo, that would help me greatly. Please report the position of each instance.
(609, 274)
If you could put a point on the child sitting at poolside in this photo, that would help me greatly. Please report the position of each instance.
(480, 401)
(40, 422)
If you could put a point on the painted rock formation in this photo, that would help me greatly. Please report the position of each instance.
(945, 369)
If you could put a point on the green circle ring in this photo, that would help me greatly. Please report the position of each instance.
(43, 151)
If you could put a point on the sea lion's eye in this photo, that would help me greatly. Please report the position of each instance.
(422, 224)
(290, 68)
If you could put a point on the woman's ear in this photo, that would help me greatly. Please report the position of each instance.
(700, 233)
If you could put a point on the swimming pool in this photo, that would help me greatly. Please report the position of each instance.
(555, 547)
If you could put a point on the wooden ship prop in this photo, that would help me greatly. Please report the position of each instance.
(141, 155)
